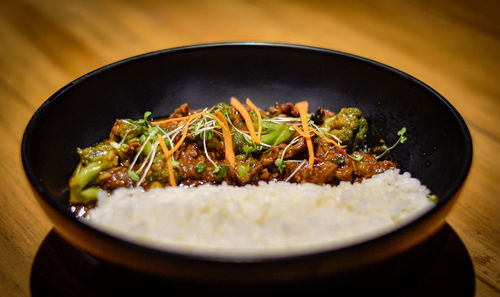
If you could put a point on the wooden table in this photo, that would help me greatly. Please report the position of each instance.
(453, 46)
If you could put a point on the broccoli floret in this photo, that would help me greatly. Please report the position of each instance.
(159, 170)
(103, 151)
(243, 166)
(226, 110)
(127, 131)
(240, 143)
(349, 126)
(361, 132)
(221, 172)
(93, 160)
(274, 134)
(83, 176)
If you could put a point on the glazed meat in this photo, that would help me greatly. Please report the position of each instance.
(234, 143)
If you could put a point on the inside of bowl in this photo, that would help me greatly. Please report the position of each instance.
(81, 114)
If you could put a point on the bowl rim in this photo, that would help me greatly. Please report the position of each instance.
(216, 258)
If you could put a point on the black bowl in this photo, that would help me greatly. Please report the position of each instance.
(438, 150)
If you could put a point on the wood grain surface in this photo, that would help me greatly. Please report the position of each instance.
(453, 46)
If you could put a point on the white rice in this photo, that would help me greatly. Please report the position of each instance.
(262, 220)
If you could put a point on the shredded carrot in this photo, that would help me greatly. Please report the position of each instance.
(161, 122)
(328, 139)
(301, 133)
(228, 140)
(302, 108)
(246, 116)
(259, 117)
(171, 177)
(169, 153)
(184, 134)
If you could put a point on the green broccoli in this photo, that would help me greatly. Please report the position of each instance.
(274, 134)
(93, 160)
(348, 126)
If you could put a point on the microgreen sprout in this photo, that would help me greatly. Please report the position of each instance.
(145, 120)
(133, 175)
(402, 139)
(151, 159)
(200, 167)
(149, 144)
(248, 149)
(401, 134)
(245, 134)
(146, 115)
(339, 160)
(433, 198)
(356, 157)
(220, 171)
(208, 134)
(280, 162)
(207, 155)
(130, 123)
(322, 132)
(139, 152)
(283, 120)
(124, 137)
(115, 145)
(203, 126)
(296, 170)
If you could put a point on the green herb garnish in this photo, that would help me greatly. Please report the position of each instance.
(281, 164)
(221, 171)
(200, 167)
(402, 139)
(243, 171)
(133, 175)
(339, 160)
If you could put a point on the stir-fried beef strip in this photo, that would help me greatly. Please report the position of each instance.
(189, 148)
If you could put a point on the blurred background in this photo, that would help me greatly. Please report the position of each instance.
(453, 46)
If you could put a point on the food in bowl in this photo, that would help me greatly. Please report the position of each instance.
(235, 144)
(438, 151)
(265, 219)
(305, 180)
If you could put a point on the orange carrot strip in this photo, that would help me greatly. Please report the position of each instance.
(302, 108)
(171, 177)
(184, 134)
(228, 142)
(246, 116)
(169, 153)
(228, 139)
(301, 133)
(171, 120)
(259, 117)
(328, 139)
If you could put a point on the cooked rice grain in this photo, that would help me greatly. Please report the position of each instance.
(270, 218)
